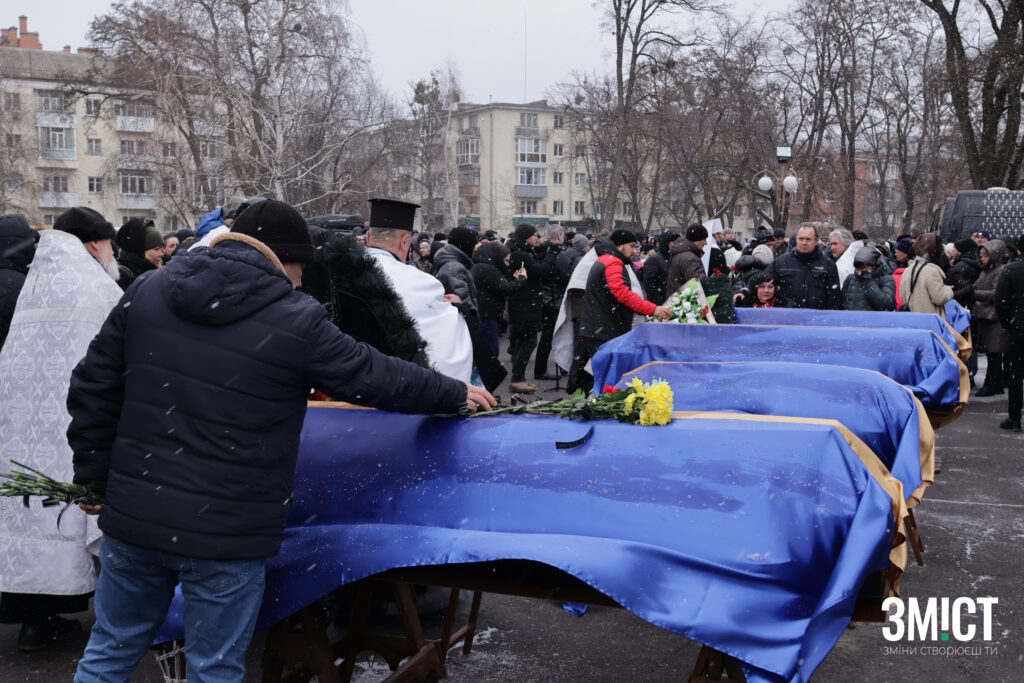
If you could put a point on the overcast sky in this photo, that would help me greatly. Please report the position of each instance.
(407, 39)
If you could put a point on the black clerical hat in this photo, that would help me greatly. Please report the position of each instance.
(392, 213)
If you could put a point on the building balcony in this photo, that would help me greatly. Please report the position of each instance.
(469, 192)
(210, 130)
(54, 119)
(136, 201)
(136, 162)
(58, 200)
(135, 124)
(522, 132)
(473, 132)
(58, 154)
(531, 191)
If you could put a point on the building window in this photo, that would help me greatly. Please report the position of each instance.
(170, 224)
(49, 101)
(95, 185)
(531, 175)
(170, 150)
(580, 208)
(170, 187)
(832, 220)
(49, 218)
(56, 139)
(580, 150)
(55, 183)
(12, 141)
(133, 148)
(473, 121)
(558, 150)
(12, 101)
(581, 179)
(528, 207)
(14, 181)
(559, 122)
(831, 197)
(135, 183)
(531, 150)
(93, 107)
(557, 207)
(627, 209)
(527, 120)
(140, 109)
(469, 177)
(94, 146)
(467, 151)
(558, 178)
(209, 150)
(738, 211)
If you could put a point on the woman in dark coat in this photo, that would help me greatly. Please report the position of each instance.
(655, 270)
(992, 338)
(494, 284)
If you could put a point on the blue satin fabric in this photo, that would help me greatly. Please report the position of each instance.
(958, 316)
(813, 317)
(916, 359)
(881, 412)
(751, 537)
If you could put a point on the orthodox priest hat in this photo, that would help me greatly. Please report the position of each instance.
(392, 214)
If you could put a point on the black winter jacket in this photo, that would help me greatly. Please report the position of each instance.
(494, 283)
(187, 407)
(608, 302)
(807, 280)
(525, 306)
(1009, 299)
(453, 266)
(131, 266)
(566, 262)
(962, 275)
(17, 247)
(655, 272)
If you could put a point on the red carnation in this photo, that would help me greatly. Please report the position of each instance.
(609, 389)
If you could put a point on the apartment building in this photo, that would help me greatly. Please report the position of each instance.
(67, 145)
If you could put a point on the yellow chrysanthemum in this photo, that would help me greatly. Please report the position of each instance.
(628, 403)
(638, 386)
(657, 407)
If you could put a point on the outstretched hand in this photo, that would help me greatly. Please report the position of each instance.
(478, 398)
(663, 312)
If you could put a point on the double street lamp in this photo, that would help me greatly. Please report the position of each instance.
(767, 182)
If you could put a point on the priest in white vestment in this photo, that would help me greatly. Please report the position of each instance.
(68, 293)
(449, 346)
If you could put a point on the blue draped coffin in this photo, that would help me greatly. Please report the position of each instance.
(881, 412)
(958, 317)
(813, 317)
(917, 359)
(751, 537)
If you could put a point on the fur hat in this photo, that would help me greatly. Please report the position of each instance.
(866, 256)
(86, 224)
(763, 253)
(620, 237)
(463, 238)
(758, 279)
(696, 233)
(280, 227)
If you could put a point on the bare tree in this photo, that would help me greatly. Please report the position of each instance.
(433, 101)
(984, 76)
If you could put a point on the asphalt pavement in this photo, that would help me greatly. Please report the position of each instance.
(971, 523)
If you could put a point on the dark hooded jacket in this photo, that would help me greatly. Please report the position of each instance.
(874, 293)
(1009, 299)
(196, 451)
(807, 280)
(453, 270)
(684, 265)
(130, 263)
(962, 275)
(608, 302)
(494, 282)
(992, 336)
(17, 246)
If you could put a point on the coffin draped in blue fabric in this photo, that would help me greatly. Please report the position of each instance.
(958, 317)
(818, 318)
(752, 537)
(881, 412)
(917, 359)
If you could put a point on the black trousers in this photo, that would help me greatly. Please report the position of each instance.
(1015, 377)
(547, 331)
(523, 340)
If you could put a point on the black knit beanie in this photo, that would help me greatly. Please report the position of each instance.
(524, 231)
(132, 236)
(278, 226)
(463, 238)
(84, 223)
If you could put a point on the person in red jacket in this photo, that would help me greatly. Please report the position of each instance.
(609, 300)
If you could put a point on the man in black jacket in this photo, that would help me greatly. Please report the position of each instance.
(1009, 302)
(195, 452)
(806, 278)
(142, 249)
(526, 306)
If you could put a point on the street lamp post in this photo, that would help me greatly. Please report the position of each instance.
(767, 181)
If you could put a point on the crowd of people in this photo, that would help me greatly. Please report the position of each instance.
(269, 307)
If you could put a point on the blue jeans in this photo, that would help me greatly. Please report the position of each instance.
(222, 599)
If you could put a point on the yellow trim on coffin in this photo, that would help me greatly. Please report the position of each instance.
(891, 485)
(965, 346)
